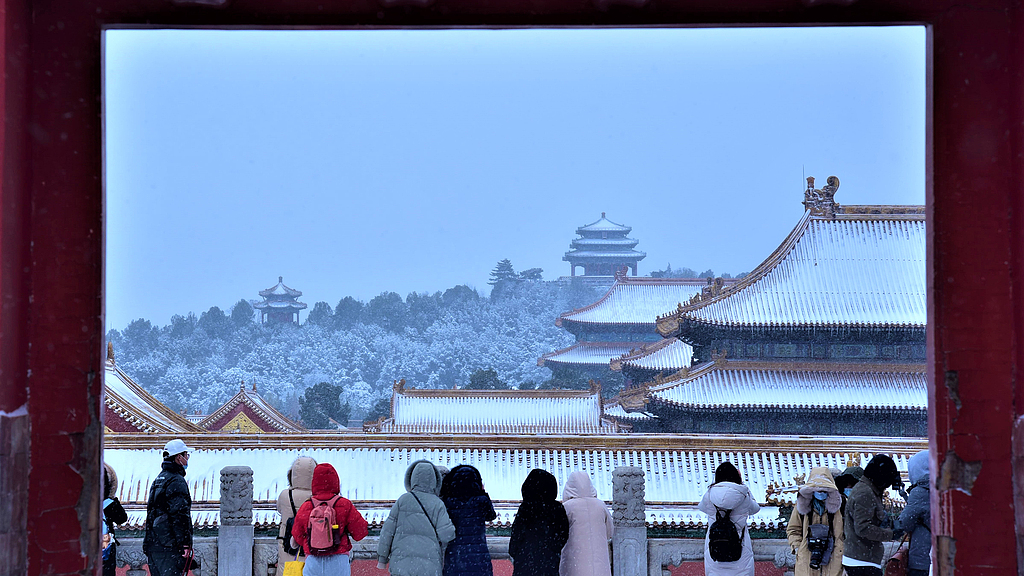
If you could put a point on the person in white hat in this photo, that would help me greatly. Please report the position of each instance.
(168, 541)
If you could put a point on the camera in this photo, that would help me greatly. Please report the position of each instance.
(817, 546)
(820, 543)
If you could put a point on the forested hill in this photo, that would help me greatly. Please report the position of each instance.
(433, 341)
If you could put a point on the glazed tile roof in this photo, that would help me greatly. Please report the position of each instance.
(280, 289)
(763, 385)
(495, 412)
(615, 410)
(636, 301)
(611, 254)
(138, 407)
(856, 269)
(281, 304)
(668, 354)
(677, 471)
(591, 353)
(604, 225)
(267, 415)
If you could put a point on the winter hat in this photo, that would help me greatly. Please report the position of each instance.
(849, 477)
(175, 447)
(882, 472)
(918, 467)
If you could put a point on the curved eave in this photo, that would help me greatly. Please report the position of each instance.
(770, 407)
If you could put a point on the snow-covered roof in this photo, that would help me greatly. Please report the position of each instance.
(587, 353)
(729, 384)
(137, 408)
(599, 242)
(668, 354)
(614, 409)
(678, 468)
(495, 412)
(255, 410)
(604, 255)
(280, 305)
(858, 268)
(280, 289)
(603, 224)
(637, 301)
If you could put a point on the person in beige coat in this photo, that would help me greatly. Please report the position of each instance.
(300, 480)
(817, 502)
(590, 528)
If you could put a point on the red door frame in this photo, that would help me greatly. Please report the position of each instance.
(51, 223)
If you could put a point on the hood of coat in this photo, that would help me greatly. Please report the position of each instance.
(918, 468)
(109, 481)
(578, 486)
(302, 473)
(325, 483)
(422, 476)
(540, 486)
(727, 495)
(819, 480)
(462, 483)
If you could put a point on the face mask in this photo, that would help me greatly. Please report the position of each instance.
(820, 495)
(847, 491)
(185, 465)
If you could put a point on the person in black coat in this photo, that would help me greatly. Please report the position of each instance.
(113, 513)
(168, 540)
(540, 529)
(469, 507)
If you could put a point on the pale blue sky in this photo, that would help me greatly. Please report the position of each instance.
(356, 162)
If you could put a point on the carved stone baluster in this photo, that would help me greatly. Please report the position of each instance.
(629, 544)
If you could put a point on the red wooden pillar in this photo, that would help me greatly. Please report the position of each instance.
(974, 255)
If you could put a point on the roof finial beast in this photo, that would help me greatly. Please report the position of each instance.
(822, 202)
(280, 279)
(602, 214)
(110, 352)
(241, 386)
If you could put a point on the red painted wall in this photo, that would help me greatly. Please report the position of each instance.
(51, 242)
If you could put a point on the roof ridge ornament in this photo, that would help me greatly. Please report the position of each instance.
(110, 352)
(821, 202)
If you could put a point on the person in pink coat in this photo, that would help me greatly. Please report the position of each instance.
(590, 528)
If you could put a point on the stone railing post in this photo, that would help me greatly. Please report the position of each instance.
(235, 537)
(629, 544)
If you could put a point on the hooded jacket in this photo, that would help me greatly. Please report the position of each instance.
(916, 518)
(819, 480)
(862, 524)
(738, 499)
(470, 509)
(418, 527)
(540, 529)
(326, 485)
(590, 528)
(300, 482)
(168, 512)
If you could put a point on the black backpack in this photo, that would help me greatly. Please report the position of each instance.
(286, 540)
(724, 543)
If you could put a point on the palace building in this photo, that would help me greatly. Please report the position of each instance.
(280, 304)
(621, 321)
(826, 336)
(603, 249)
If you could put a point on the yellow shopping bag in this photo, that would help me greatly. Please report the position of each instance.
(293, 567)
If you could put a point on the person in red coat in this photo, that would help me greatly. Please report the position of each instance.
(351, 524)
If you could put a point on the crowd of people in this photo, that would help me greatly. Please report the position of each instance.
(438, 526)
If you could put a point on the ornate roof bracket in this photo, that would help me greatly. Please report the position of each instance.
(822, 202)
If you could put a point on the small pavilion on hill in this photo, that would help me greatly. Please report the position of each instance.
(603, 249)
(826, 336)
(129, 409)
(447, 411)
(280, 304)
(247, 412)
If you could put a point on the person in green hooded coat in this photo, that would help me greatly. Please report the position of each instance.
(414, 536)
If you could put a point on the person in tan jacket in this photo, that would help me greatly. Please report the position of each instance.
(300, 481)
(817, 502)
